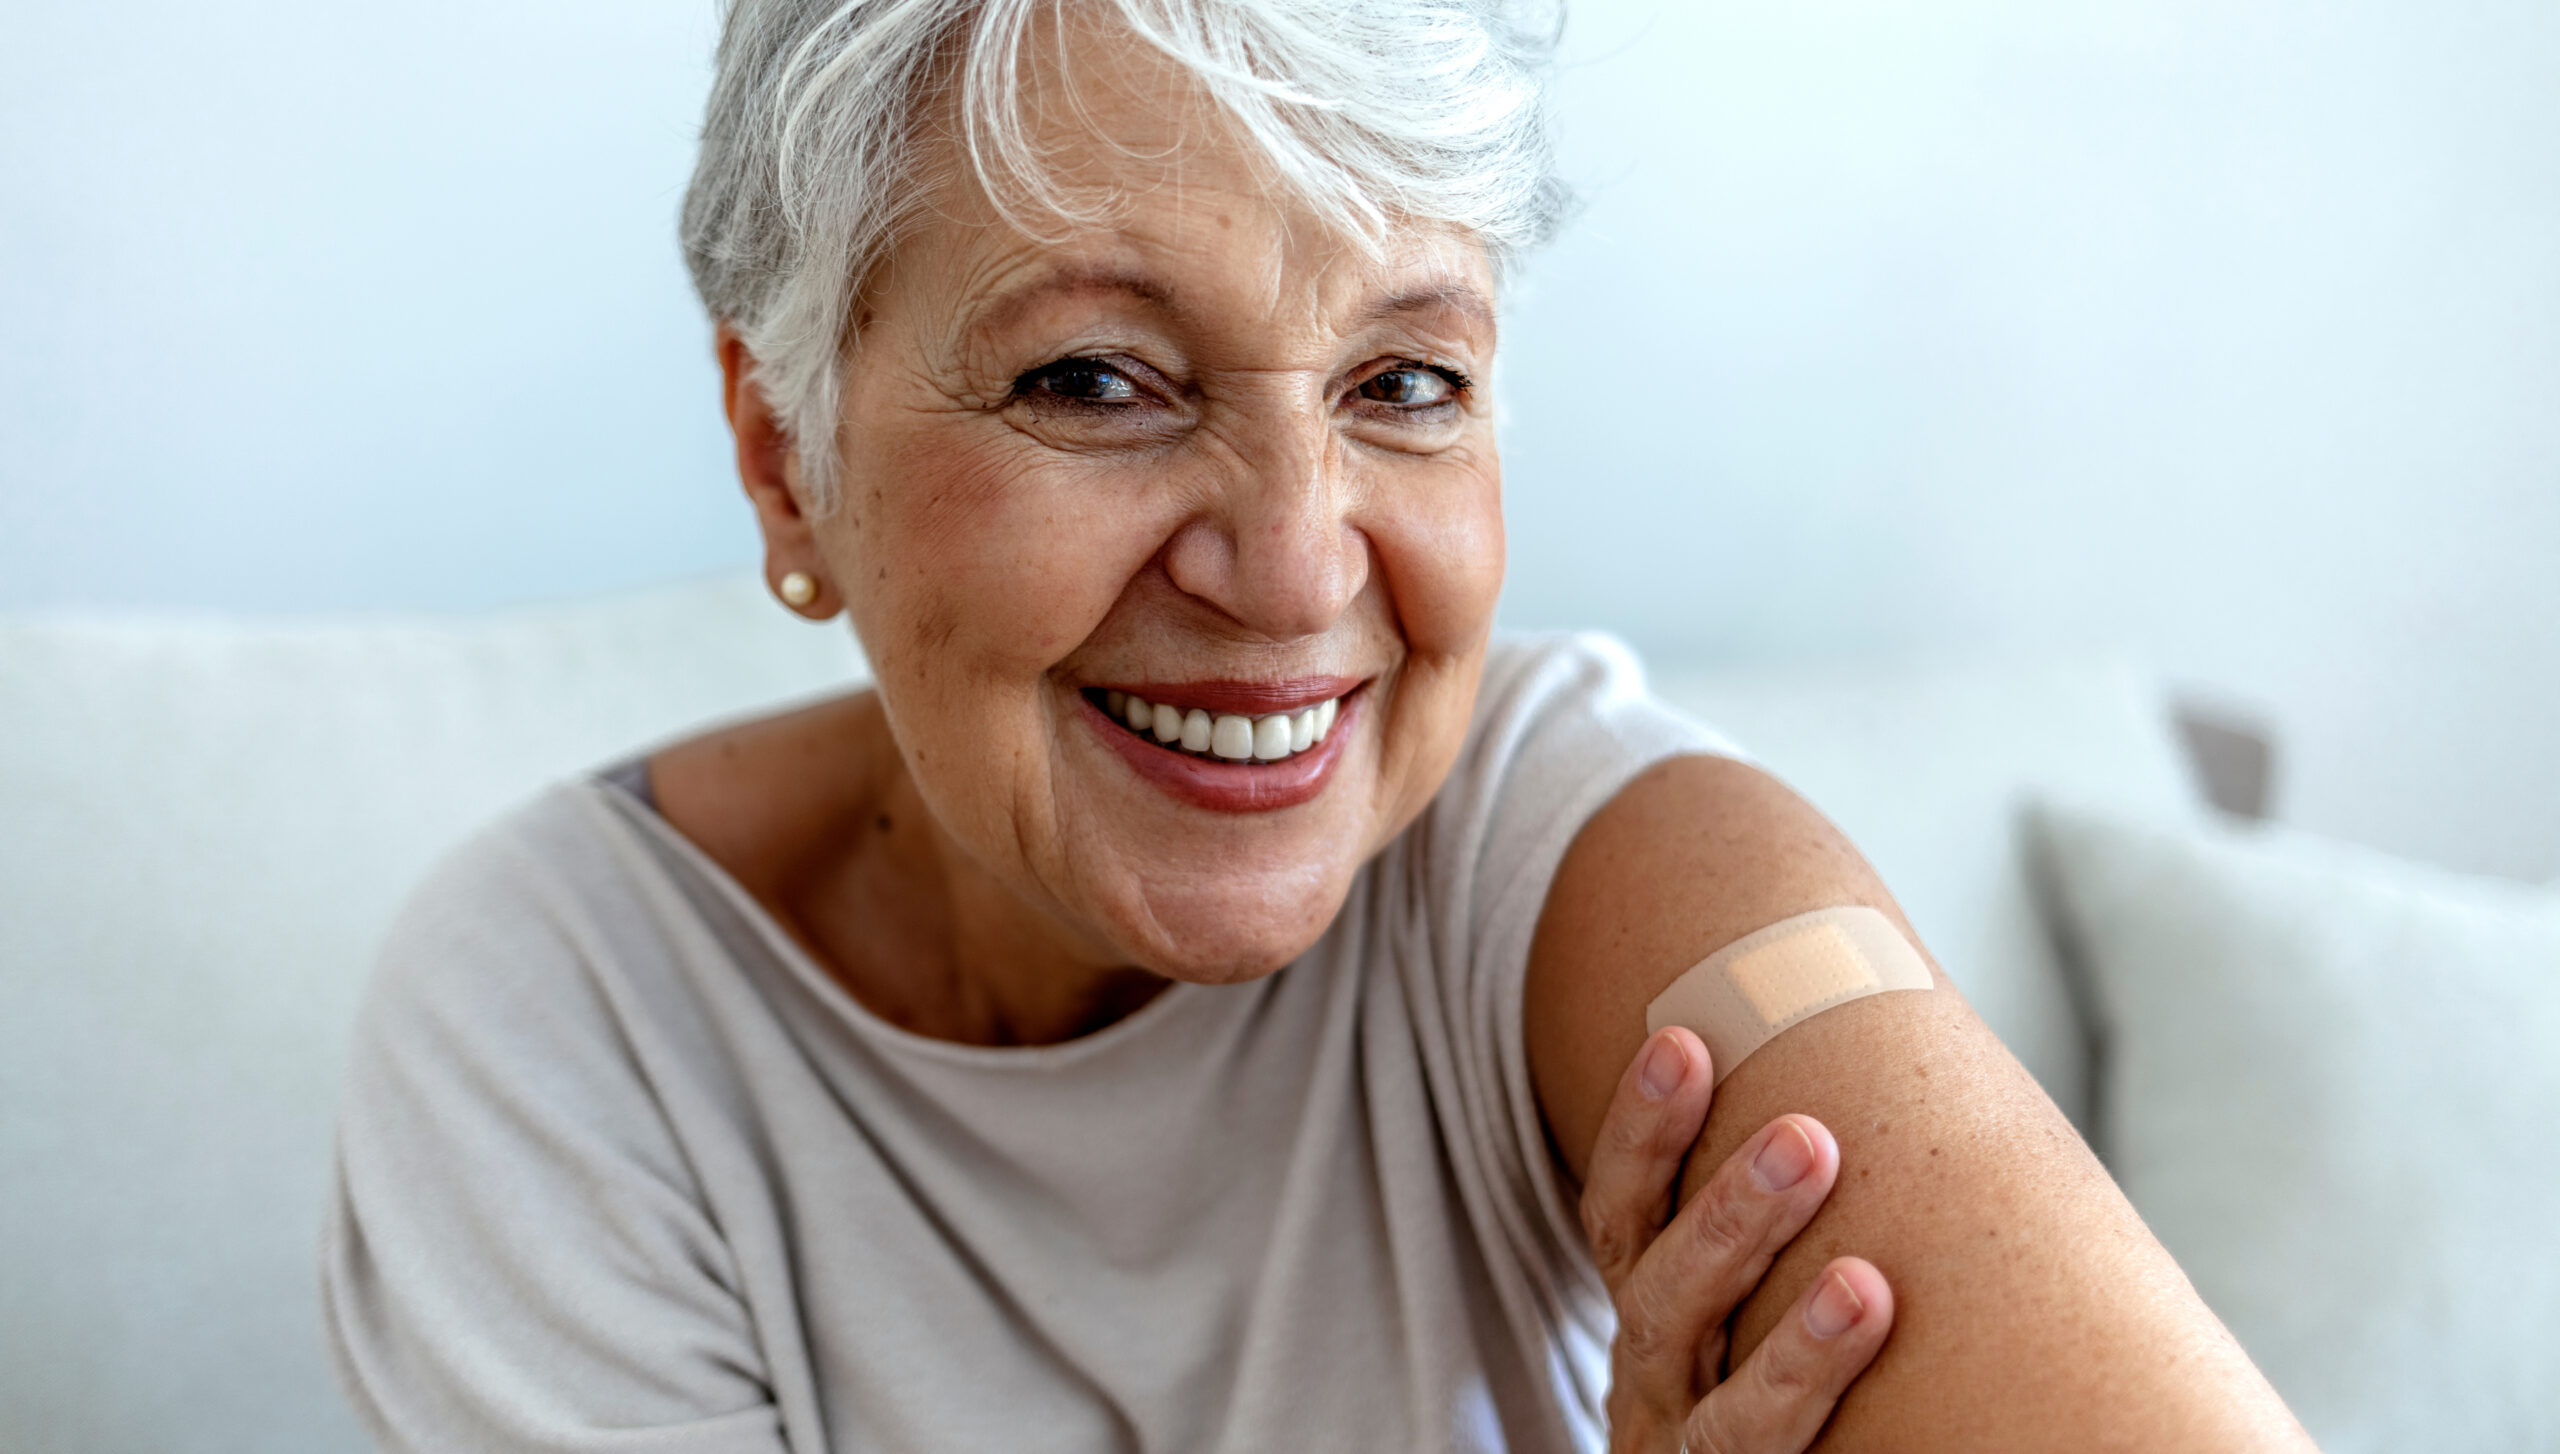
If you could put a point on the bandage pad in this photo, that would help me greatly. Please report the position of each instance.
(1744, 995)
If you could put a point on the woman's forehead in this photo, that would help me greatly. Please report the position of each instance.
(1204, 272)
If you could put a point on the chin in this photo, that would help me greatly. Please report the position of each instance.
(1234, 937)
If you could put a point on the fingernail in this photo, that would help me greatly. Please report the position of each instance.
(1784, 1161)
(1660, 1074)
(1833, 1309)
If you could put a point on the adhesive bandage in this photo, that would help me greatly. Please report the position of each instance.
(1740, 997)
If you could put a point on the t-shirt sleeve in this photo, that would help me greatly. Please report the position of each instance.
(516, 1254)
(1563, 724)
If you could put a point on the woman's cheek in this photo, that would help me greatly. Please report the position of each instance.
(1440, 543)
(1438, 536)
(999, 568)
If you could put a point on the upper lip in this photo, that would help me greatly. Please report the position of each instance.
(1244, 698)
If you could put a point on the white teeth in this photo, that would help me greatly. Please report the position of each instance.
(1271, 738)
(1233, 738)
(1230, 735)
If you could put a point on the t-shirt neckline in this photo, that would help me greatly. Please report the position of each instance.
(624, 808)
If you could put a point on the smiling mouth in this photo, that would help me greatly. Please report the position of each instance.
(1231, 737)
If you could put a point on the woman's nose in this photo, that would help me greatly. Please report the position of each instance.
(1276, 550)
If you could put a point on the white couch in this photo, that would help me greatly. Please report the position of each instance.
(207, 824)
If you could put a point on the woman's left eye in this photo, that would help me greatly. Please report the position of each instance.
(1080, 380)
(1411, 386)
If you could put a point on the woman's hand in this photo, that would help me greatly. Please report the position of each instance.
(1677, 1279)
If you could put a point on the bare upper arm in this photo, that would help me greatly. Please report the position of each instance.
(2033, 1307)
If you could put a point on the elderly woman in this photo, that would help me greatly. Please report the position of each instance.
(1197, 998)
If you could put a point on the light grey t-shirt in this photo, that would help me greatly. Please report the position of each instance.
(621, 1169)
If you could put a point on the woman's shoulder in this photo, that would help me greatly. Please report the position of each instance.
(532, 852)
(1563, 721)
(508, 914)
(510, 1157)
(617, 894)
(570, 907)
(1577, 695)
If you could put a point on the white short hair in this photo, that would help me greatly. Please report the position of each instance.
(1376, 112)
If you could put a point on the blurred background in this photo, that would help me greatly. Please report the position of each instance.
(2220, 336)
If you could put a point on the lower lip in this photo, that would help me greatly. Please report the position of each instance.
(1230, 787)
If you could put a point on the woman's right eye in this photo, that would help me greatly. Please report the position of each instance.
(1078, 380)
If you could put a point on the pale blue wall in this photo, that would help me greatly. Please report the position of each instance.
(2226, 334)
(2224, 331)
(1991, 298)
(311, 304)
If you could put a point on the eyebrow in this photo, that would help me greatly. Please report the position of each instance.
(1001, 311)
(1456, 296)
(1009, 304)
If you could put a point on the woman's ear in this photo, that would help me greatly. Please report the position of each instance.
(769, 470)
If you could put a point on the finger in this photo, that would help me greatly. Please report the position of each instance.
(1779, 1399)
(1660, 1104)
(1674, 1305)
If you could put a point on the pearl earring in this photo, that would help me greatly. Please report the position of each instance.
(797, 590)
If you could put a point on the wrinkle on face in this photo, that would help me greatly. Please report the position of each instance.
(999, 560)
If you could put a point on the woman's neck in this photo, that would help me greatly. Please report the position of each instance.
(813, 813)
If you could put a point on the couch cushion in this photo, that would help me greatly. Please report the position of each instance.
(1927, 767)
(207, 827)
(2331, 1085)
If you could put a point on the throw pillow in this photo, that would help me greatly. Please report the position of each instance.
(2331, 1083)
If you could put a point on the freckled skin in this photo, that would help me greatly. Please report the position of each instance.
(2032, 1308)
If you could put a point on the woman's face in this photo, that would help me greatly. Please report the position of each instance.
(1207, 456)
